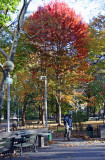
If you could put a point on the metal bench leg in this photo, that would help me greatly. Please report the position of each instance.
(21, 151)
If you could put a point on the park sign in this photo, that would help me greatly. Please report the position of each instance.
(9, 80)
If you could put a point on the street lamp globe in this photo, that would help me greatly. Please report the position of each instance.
(8, 66)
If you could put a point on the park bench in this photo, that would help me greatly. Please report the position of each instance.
(26, 142)
(6, 146)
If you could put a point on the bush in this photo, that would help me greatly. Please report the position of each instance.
(79, 117)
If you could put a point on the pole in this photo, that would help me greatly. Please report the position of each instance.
(18, 117)
(46, 98)
(8, 106)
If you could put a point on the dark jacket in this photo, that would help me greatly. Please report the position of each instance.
(68, 120)
(70, 123)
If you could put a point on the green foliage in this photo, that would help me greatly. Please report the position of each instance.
(66, 107)
(52, 104)
(79, 116)
(94, 93)
(97, 46)
(22, 53)
(7, 7)
(32, 112)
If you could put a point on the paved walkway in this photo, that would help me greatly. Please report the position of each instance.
(61, 149)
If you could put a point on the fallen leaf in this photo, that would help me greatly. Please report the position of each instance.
(69, 156)
(67, 145)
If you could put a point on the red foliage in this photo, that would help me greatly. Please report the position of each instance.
(59, 28)
(34, 74)
(103, 88)
(102, 92)
(103, 85)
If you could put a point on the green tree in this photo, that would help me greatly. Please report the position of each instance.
(10, 56)
(97, 58)
(7, 7)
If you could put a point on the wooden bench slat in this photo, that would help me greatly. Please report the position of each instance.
(6, 146)
(27, 142)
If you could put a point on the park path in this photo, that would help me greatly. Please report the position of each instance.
(60, 149)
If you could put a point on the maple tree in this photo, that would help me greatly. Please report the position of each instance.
(62, 37)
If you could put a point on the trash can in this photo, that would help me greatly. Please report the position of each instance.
(90, 131)
(50, 135)
(90, 134)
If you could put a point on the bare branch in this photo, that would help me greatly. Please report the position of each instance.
(6, 11)
(17, 31)
(99, 59)
(4, 53)
(1, 66)
(36, 35)
(15, 21)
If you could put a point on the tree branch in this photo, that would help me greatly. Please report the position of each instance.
(1, 66)
(15, 21)
(17, 31)
(36, 35)
(4, 53)
(99, 59)
(22, 13)
(6, 11)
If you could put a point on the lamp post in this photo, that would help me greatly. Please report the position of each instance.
(18, 115)
(8, 103)
(45, 97)
(8, 66)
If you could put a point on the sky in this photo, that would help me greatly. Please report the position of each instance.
(87, 8)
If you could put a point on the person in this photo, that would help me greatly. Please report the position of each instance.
(14, 125)
(68, 126)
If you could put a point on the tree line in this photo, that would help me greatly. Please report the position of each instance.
(54, 42)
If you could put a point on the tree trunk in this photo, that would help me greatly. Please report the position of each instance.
(94, 110)
(87, 110)
(39, 113)
(23, 117)
(3, 87)
(104, 107)
(1, 98)
(23, 113)
(43, 111)
(0, 115)
(88, 105)
(59, 108)
(57, 112)
(99, 110)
